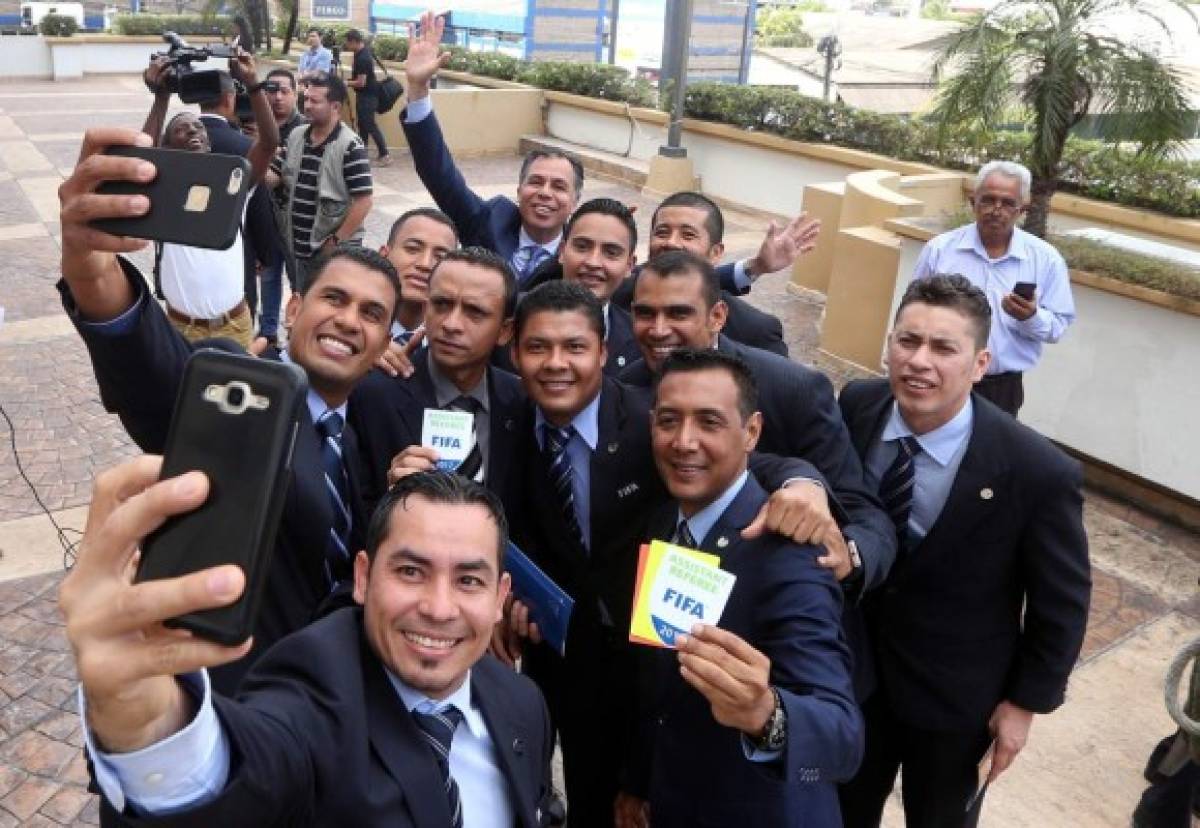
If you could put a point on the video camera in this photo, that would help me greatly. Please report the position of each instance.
(193, 85)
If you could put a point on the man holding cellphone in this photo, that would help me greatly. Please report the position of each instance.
(339, 326)
(388, 713)
(1025, 279)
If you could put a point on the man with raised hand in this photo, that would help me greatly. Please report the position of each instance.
(388, 713)
(338, 325)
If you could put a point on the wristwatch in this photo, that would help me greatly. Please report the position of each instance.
(855, 576)
(774, 733)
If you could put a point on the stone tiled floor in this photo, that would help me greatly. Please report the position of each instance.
(1144, 602)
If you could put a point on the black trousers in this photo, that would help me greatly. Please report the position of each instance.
(1006, 390)
(364, 113)
(939, 773)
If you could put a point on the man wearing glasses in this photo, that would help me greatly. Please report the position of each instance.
(1025, 279)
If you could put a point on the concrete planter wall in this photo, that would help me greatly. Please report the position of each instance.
(70, 58)
(25, 56)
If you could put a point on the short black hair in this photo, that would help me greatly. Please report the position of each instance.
(534, 155)
(714, 222)
(280, 72)
(482, 257)
(691, 360)
(431, 213)
(312, 29)
(558, 296)
(685, 263)
(335, 85)
(362, 255)
(437, 487)
(605, 207)
(355, 35)
(943, 290)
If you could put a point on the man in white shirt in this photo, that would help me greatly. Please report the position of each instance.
(1025, 279)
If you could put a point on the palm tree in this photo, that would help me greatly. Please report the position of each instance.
(1057, 61)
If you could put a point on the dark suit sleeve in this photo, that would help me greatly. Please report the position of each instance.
(810, 665)
(1057, 575)
(823, 439)
(138, 371)
(726, 273)
(441, 176)
(750, 326)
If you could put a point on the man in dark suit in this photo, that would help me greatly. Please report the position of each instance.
(472, 295)
(983, 615)
(677, 304)
(578, 503)
(528, 232)
(339, 327)
(753, 721)
(389, 713)
(598, 252)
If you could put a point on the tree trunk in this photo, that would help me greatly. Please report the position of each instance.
(1039, 205)
(293, 20)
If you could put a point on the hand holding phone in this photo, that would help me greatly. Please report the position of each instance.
(1025, 290)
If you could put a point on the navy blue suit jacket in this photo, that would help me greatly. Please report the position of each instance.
(387, 414)
(951, 637)
(694, 770)
(320, 737)
(139, 374)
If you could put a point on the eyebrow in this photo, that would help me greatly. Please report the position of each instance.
(406, 555)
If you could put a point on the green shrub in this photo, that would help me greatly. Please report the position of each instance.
(782, 27)
(58, 25)
(1090, 168)
(612, 83)
(182, 24)
(1127, 266)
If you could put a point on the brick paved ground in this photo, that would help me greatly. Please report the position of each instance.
(1082, 765)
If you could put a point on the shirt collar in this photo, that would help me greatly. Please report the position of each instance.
(943, 442)
(316, 406)
(701, 523)
(551, 247)
(416, 701)
(586, 423)
(447, 392)
(1017, 247)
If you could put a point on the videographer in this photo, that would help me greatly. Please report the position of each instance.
(209, 292)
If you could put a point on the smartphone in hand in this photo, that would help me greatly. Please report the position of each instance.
(1025, 290)
(197, 198)
(235, 419)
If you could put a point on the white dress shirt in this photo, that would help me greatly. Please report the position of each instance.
(1016, 345)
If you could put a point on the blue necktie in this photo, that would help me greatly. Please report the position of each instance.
(337, 553)
(896, 487)
(526, 260)
(562, 474)
(438, 729)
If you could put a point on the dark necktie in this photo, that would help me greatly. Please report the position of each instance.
(337, 554)
(896, 487)
(562, 474)
(438, 729)
(683, 536)
(526, 260)
(473, 462)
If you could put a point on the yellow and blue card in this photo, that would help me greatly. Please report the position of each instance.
(676, 588)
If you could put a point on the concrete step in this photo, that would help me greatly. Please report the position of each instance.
(608, 165)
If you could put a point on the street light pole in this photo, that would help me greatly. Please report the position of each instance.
(612, 31)
(676, 43)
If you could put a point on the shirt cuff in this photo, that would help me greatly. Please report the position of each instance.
(418, 110)
(755, 754)
(741, 278)
(1037, 326)
(122, 324)
(182, 771)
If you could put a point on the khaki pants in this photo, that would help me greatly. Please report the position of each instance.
(237, 326)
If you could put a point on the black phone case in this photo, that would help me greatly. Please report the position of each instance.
(169, 219)
(247, 457)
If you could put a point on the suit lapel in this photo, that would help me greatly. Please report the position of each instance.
(609, 463)
(401, 748)
(503, 401)
(867, 422)
(508, 740)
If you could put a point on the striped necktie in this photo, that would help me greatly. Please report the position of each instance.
(562, 474)
(683, 536)
(337, 553)
(438, 729)
(896, 487)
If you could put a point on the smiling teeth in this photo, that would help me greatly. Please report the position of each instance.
(433, 643)
(336, 343)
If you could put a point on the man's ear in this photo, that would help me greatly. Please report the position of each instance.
(716, 252)
(292, 309)
(718, 316)
(506, 332)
